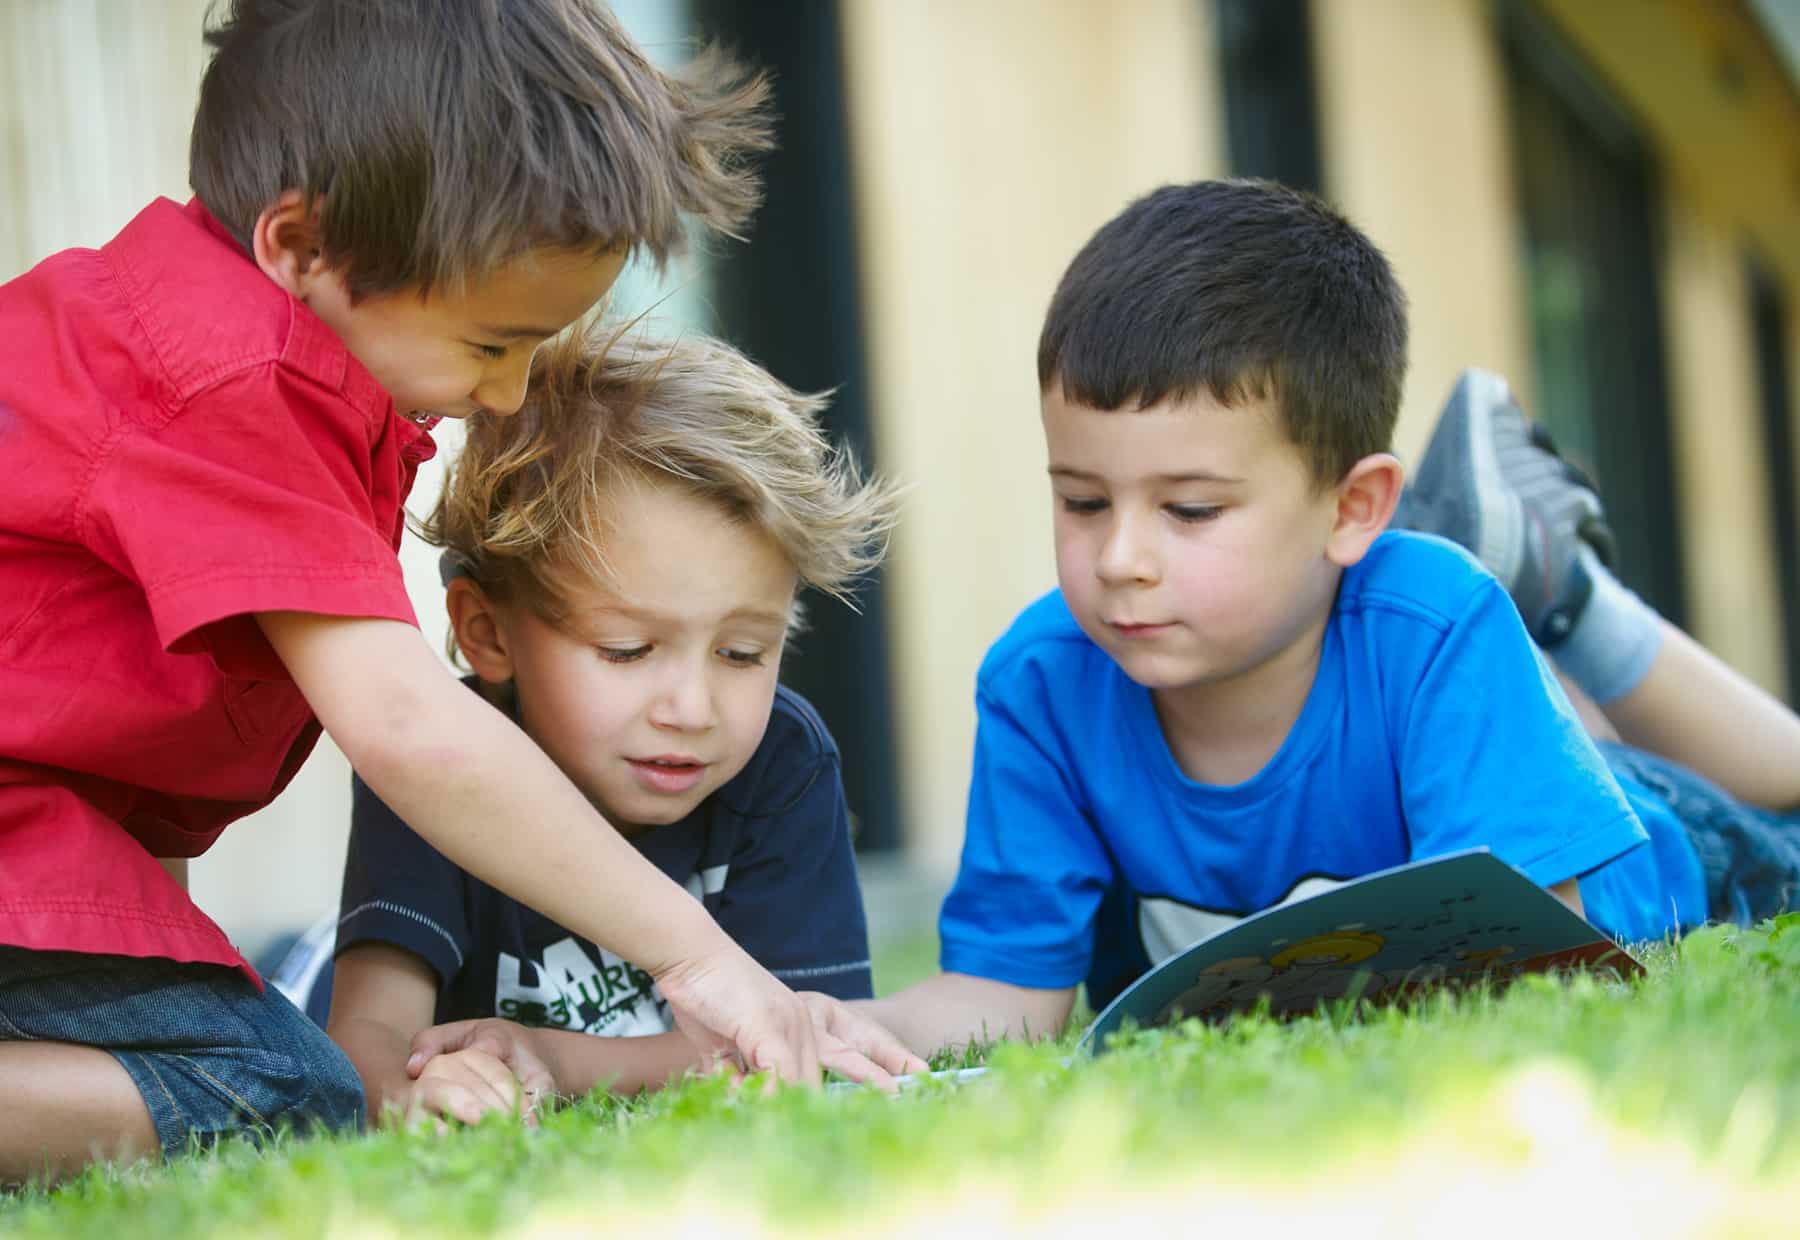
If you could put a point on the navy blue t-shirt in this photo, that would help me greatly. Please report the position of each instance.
(768, 854)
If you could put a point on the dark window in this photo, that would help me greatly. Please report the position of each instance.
(1587, 197)
(1271, 116)
(790, 300)
(1769, 327)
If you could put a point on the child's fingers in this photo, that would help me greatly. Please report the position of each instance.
(837, 1019)
(532, 1073)
(874, 1041)
(514, 1095)
(465, 1085)
(438, 1040)
(849, 1062)
(457, 1102)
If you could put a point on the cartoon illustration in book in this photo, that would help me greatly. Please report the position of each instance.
(1447, 921)
(1225, 986)
(1295, 978)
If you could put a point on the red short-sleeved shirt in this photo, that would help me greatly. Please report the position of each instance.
(182, 444)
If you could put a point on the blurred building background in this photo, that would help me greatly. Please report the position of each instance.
(1598, 198)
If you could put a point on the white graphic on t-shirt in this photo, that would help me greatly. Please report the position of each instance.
(708, 882)
(1169, 926)
(614, 998)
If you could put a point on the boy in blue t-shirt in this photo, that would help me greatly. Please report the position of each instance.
(1245, 688)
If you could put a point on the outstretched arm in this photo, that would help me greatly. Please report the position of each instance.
(951, 1010)
(381, 997)
(575, 1062)
(455, 769)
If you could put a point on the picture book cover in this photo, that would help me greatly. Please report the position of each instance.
(1449, 920)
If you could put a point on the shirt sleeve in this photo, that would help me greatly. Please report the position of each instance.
(255, 496)
(400, 890)
(1493, 754)
(1023, 907)
(791, 898)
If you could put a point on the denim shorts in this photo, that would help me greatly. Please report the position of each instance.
(212, 1056)
(1750, 856)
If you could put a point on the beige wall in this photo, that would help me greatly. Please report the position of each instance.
(989, 140)
(96, 98)
(1414, 131)
(1412, 111)
(1727, 530)
(1722, 118)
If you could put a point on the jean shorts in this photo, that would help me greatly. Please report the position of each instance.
(1750, 856)
(212, 1056)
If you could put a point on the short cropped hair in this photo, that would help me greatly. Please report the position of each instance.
(526, 508)
(1242, 289)
(440, 138)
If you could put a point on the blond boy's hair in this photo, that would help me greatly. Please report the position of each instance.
(528, 504)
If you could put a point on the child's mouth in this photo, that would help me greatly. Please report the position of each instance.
(668, 775)
(1140, 630)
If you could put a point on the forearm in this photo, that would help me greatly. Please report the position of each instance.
(478, 790)
(580, 1061)
(954, 1009)
(378, 1052)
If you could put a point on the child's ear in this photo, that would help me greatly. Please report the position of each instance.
(285, 242)
(479, 633)
(1366, 497)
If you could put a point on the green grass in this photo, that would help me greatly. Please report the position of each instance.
(1668, 1106)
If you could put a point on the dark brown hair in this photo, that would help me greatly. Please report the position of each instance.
(441, 137)
(1244, 290)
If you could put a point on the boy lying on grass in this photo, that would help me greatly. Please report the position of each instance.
(1244, 686)
(622, 562)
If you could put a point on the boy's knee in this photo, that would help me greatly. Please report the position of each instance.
(324, 1090)
(337, 1102)
(285, 1076)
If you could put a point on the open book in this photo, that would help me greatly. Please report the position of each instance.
(1455, 919)
(1452, 920)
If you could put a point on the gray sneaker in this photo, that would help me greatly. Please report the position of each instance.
(1493, 482)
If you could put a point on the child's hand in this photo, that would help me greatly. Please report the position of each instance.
(497, 1041)
(855, 1046)
(737, 1015)
(465, 1085)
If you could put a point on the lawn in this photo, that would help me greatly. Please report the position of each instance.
(1667, 1106)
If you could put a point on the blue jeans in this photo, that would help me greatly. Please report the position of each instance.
(1750, 856)
(211, 1055)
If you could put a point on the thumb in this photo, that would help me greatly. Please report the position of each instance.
(427, 1044)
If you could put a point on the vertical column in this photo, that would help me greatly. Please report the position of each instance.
(987, 142)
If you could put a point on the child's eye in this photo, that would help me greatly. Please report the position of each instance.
(493, 352)
(1194, 512)
(742, 658)
(1082, 507)
(623, 654)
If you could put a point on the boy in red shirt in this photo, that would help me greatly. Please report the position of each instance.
(208, 429)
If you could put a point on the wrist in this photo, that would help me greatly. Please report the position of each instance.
(687, 940)
(548, 1048)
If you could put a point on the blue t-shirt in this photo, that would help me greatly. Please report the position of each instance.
(768, 854)
(1432, 725)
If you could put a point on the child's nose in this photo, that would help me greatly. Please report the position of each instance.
(1127, 555)
(502, 387)
(685, 703)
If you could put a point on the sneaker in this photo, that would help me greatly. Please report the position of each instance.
(1493, 482)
